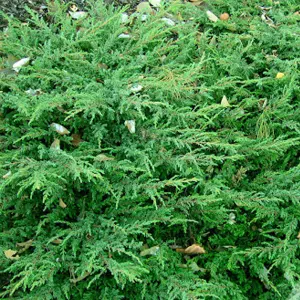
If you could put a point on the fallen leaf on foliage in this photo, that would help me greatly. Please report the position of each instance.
(25, 245)
(279, 75)
(57, 241)
(124, 36)
(224, 16)
(103, 157)
(265, 8)
(211, 16)
(193, 249)
(224, 102)
(78, 14)
(298, 236)
(73, 8)
(20, 63)
(213, 40)
(144, 7)
(151, 251)
(144, 17)
(231, 218)
(267, 20)
(62, 204)
(32, 92)
(194, 267)
(124, 18)
(76, 139)
(136, 88)
(103, 66)
(168, 21)
(60, 129)
(6, 175)
(11, 254)
(155, 3)
(130, 124)
(56, 144)
(196, 2)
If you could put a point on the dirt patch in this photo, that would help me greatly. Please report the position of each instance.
(17, 8)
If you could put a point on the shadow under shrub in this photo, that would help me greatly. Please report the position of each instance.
(193, 170)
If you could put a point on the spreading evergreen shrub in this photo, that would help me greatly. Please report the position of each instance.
(78, 208)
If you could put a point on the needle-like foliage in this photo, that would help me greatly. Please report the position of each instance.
(114, 138)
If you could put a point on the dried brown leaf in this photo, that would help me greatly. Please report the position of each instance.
(194, 249)
(57, 241)
(76, 139)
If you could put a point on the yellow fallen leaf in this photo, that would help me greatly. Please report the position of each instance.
(62, 204)
(11, 254)
(26, 244)
(279, 75)
(224, 102)
(298, 236)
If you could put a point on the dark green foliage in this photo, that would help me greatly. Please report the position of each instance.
(191, 166)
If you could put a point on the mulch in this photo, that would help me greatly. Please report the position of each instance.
(17, 8)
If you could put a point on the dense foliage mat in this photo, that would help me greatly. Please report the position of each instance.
(122, 141)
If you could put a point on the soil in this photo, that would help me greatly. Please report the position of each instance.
(17, 8)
